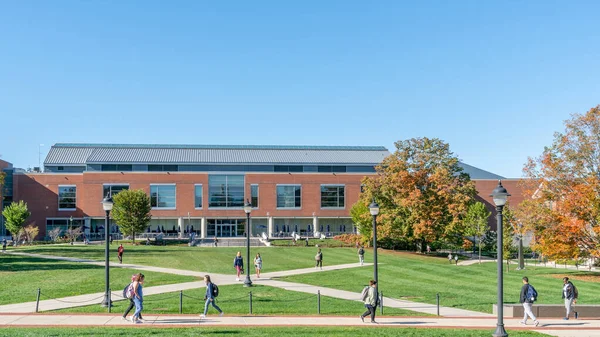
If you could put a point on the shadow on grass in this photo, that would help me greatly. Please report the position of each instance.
(24, 263)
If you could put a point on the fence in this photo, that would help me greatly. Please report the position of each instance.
(250, 298)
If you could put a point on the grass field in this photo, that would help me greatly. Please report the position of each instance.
(418, 278)
(234, 299)
(206, 259)
(256, 331)
(21, 276)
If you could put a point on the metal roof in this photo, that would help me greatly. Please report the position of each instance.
(71, 154)
(477, 173)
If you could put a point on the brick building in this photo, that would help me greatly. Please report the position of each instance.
(302, 189)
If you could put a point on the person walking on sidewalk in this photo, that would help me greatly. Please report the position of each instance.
(209, 297)
(361, 255)
(131, 303)
(120, 251)
(238, 264)
(569, 294)
(258, 264)
(370, 302)
(138, 298)
(319, 259)
(528, 296)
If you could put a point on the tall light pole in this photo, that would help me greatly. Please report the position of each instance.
(247, 209)
(107, 204)
(500, 195)
(374, 209)
(520, 236)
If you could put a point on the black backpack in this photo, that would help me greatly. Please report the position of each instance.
(215, 290)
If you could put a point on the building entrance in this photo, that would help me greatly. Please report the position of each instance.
(226, 230)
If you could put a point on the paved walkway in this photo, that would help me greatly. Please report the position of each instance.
(554, 327)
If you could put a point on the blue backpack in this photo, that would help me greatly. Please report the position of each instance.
(531, 294)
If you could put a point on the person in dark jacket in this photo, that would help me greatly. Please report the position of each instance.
(238, 264)
(209, 298)
(319, 259)
(569, 294)
(527, 303)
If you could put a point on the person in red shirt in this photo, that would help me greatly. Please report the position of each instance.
(120, 253)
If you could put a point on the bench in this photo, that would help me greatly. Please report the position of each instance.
(550, 310)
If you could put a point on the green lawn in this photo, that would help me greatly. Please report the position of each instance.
(418, 278)
(21, 276)
(256, 331)
(234, 299)
(206, 259)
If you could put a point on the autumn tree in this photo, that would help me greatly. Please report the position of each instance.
(131, 211)
(29, 232)
(476, 222)
(15, 214)
(422, 194)
(562, 204)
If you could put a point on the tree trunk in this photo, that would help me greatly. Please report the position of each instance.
(133, 237)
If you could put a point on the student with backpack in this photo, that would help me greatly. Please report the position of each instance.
(128, 293)
(138, 297)
(569, 294)
(212, 291)
(361, 255)
(369, 298)
(528, 296)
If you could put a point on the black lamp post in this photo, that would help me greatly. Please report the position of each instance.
(107, 204)
(247, 209)
(500, 195)
(374, 209)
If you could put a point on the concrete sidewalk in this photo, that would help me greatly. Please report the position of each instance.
(552, 327)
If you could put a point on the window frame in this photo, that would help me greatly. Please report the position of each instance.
(113, 184)
(58, 197)
(227, 196)
(201, 196)
(277, 198)
(163, 208)
(257, 196)
(338, 196)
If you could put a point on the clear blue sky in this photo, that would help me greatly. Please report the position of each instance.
(495, 79)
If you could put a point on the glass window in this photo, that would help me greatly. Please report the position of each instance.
(163, 168)
(198, 196)
(289, 196)
(162, 196)
(67, 197)
(226, 191)
(113, 189)
(332, 196)
(113, 167)
(254, 195)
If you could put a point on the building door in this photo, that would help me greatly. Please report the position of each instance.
(226, 230)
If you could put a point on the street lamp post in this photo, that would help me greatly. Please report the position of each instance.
(247, 209)
(520, 236)
(107, 204)
(500, 195)
(374, 209)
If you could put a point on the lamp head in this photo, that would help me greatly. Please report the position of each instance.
(247, 207)
(500, 194)
(374, 207)
(107, 203)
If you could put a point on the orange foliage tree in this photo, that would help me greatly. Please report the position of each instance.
(422, 194)
(562, 204)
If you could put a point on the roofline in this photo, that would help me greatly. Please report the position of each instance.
(224, 147)
(207, 163)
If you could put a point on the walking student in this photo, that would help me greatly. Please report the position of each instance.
(258, 264)
(138, 298)
(209, 297)
(570, 295)
(361, 255)
(131, 303)
(238, 264)
(319, 259)
(528, 296)
(370, 302)
(120, 251)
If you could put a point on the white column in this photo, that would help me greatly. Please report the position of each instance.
(270, 225)
(180, 224)
(315, 225)
(203, 228)
(87, 222)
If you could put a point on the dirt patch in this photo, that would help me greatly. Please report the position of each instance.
(586, 278)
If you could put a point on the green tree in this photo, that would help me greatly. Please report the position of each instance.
(131, 211)
(16, 214)
(509, 223)
(422, 193)
(363, 221)
(476, 222)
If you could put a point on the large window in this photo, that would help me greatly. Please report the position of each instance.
(163, 168)
(254, 195)
(289, 196)
(162, 196)
(113, 167)
(198, 196)
(67, 197)
(113, 189)
(226, 191)
(332, 196)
